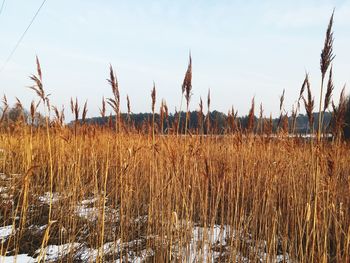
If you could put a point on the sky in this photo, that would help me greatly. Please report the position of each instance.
(240, 50)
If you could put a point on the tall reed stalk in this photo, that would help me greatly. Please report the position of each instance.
(325, 61)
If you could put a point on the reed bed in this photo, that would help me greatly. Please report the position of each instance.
(113, 193)
(263, 190)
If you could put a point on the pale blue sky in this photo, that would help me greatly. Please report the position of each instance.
(240, 49)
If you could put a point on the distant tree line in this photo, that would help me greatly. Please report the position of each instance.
(216, 122)
(16, 114)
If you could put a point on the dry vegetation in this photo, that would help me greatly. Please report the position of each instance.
(110, 193)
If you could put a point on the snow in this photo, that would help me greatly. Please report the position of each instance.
(202, 247)
(201, 243)
(17, 259)
(46, 198)
(89, 201)
(5, 232)
(54, 252)
(207, 244)
(89, 213)
(89, 254)
(89, 209)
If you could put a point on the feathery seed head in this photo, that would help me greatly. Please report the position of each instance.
(327, 55)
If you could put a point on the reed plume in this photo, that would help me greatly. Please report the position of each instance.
(302, 89)
(20, 108)
(103, 108)
(328, 95)
(187, 83)
(115, 101)
(84, 113)
(161, 116)
(309, 103)
(200, 116)
(297, 108)
(75, 109)
(330, 88)
(280, 119)
(166, 112)
(5, 108)
(339, 113)
(327, 57)
(261, 121)
(153, 96)
(18, 104)
(32, 112)
(251, 116)
(282, 100)
(285, 123)
(208, 113)
(62, 116)
(176, 122)
(38, 87)
(128, 105)
(59, 116)
(187, 87)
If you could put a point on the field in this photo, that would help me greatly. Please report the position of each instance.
(258, 192)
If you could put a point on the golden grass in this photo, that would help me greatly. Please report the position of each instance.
(262, 188)
(121, 194)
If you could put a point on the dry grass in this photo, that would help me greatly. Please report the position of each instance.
(110, 193)
(263, 189)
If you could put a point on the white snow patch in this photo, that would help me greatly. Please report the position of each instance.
(46, 198)
(203, 240)
(89, 201)
(90, 209)
(17, 259)
(89, 254)
(37, 228)
(55, 252)
(90, 213)
(5, 232)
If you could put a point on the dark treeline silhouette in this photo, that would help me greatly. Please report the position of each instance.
(218, 123)
(198, 123)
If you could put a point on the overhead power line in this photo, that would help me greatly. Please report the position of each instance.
(22, 36)
(2, 6)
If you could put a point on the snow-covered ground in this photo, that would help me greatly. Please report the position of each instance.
(205, 245)
(17, 259)
(200, 244)
(5, 232)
